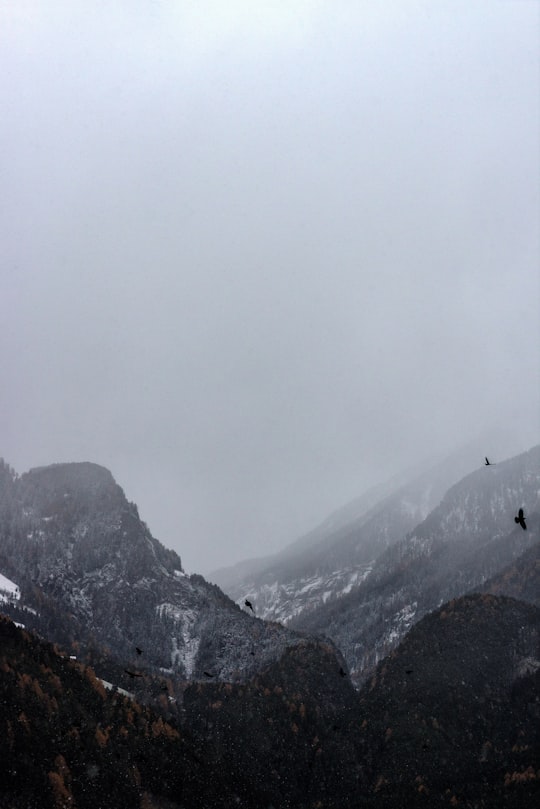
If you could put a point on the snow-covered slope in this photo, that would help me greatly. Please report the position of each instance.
(285, 601)
(9, 591)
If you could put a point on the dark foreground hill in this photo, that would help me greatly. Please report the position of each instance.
(450, 718)
(66, 742)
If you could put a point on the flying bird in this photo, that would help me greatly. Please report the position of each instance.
(488, 462)
(139, 651)
(520, 519)
(207, 674)
(132, 674)
(342, 673)
(250, 605)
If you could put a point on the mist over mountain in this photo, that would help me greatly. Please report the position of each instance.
(374, 568)
(402, 689)
(268, 298)
(335, 555)
(468, 538)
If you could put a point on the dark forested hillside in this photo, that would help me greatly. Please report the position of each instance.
(450, 718)
(65, 741)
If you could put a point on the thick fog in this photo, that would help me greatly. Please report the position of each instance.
(257, 257)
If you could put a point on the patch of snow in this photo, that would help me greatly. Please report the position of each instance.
(9, 591)
(402, 622)
(185, 644)
(283, 602)
(110, 686)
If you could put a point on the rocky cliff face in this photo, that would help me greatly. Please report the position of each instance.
(90, 572)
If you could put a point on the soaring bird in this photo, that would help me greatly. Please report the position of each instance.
(520, 519)
(341, 672)
(132, 674)
(207, 674)
(139, 651)
(250, 605)
(488, 462)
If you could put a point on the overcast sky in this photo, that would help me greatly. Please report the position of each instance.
(259, 256)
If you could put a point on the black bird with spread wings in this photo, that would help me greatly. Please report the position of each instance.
(249, 605)
(520, 519)
(488, 462)
(132, 674)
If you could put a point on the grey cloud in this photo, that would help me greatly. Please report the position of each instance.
(255, 264)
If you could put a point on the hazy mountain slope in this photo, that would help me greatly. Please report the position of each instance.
(521, 579)
(336, 557)
(90, 572)
(294, 554)
(467, 539)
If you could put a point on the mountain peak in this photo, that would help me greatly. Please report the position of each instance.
(70, 488)
(80, 474)
(89, 567)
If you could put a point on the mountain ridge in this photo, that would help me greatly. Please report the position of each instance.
(88, 568)
(465, 540)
